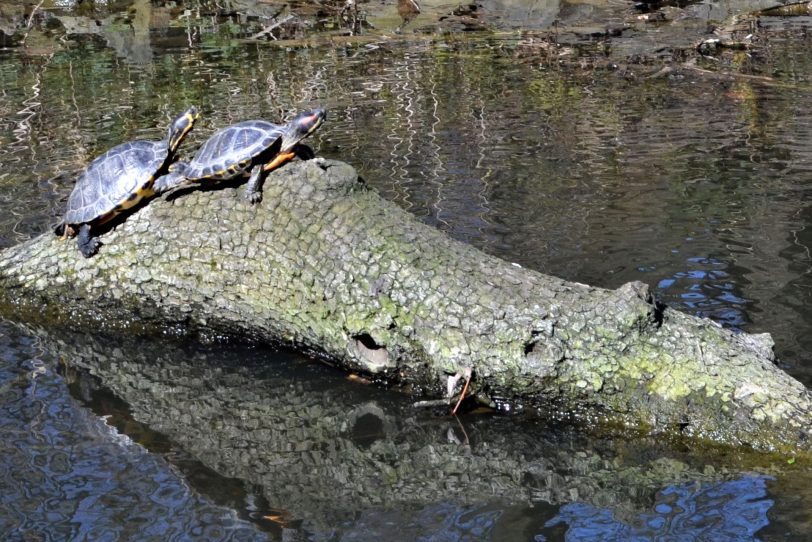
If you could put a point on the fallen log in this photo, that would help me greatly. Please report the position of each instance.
(327, 266)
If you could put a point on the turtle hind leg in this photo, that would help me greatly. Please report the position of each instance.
(63, 231)
(88, 244)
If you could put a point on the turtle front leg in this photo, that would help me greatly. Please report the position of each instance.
(88, 244)
(279, 160)
(253, 190)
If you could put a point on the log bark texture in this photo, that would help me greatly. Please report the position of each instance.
(328, 266)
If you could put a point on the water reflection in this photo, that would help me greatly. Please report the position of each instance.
(706, 289)
(443, 522)
(215, 437)
(305, 451)
(732, 511)
(67, 475)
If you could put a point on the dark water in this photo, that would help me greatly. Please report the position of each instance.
(594, 171)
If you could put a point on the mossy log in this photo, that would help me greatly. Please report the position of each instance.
(326, 265)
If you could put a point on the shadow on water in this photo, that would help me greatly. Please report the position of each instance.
(232, 443)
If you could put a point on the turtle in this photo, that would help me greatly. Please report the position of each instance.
(119, 179)
(254, 146)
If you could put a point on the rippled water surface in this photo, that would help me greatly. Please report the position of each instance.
(695, 183)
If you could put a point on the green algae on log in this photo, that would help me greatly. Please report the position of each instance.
(328, 266)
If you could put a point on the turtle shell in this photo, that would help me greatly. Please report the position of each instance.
(232, 150)
(116, 180)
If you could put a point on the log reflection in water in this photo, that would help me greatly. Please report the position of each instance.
(323, 448)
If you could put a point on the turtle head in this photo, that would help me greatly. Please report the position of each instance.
(302, 126)
(180, 127)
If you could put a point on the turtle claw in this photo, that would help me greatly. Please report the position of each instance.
(90, 248)
(88, 245)
(253, 197)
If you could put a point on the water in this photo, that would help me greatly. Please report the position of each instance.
(140, 441)
(594, 171)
